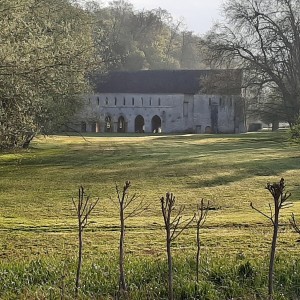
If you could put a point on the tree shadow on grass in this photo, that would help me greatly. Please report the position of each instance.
(244, 170)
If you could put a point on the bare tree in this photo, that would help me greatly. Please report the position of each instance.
(279, 197)
(84, 206)
(202, 211)
(294, 224)
(124, 202)
(174, 226)
(262, 38)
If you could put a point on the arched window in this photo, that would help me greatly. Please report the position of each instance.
(108, 124)
(139, 124)
(156, 124)
(121, 124)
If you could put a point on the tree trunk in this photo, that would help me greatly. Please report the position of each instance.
(170, 268)
(122, 282)
(27, 141)
(275, 125)
(272, 255)
(80, 245)
(198, 254)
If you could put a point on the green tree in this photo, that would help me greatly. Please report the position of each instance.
(146, 39)
(46, 51)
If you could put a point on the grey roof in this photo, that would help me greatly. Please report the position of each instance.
(166, 82)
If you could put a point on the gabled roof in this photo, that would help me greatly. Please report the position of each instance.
(161, 81)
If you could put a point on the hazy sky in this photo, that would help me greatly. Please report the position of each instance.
(198, 15)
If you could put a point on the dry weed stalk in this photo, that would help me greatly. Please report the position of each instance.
(83, 206)
(125, 201)
(280, 197)
(174, 226)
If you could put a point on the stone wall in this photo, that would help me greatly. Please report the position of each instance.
(169, 113)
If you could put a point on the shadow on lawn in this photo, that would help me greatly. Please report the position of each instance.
(170, 156)
(159, 149)
(244, 170)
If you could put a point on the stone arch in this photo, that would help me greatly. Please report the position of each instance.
(121, 124)
(208, 129)
(108, 124)
(139, 124)
(156, 124)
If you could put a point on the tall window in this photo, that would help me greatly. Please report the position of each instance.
(116, 101)
(106, 101)
(158, 101)
(185, 109)
(132, 101)
(98, 101)
(108, 124)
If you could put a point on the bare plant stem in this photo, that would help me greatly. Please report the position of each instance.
(173, 230)
(272, 256)
(84, 207)
(79, 263)
(122, 282)
(201, 215)
(124, 202)
(279, 197)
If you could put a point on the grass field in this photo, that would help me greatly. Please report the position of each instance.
(37, 220)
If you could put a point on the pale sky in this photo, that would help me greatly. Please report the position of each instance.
(198, 15)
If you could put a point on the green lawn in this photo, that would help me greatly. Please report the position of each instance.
(36, 186)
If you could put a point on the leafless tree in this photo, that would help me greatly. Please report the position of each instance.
(262, 37)
(125, 201)
(201, 214)
(294, 224)
(279, 197)
(83, 206)
(174, 226)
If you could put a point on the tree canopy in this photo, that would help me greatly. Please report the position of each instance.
(46, 50)
(49, 48)
(143, 39)
(263, 38)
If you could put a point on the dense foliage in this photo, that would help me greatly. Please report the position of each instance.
(49, 47)
(46, 50)
(136, 40)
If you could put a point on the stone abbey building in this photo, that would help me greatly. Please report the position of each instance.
(168, 101)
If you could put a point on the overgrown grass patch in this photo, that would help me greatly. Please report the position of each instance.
(221, 278)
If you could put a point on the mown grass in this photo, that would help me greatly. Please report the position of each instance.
(37, 220)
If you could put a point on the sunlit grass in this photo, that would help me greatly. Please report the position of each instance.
(230, 171)
(37, 220)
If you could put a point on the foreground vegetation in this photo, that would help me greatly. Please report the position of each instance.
(38, 224)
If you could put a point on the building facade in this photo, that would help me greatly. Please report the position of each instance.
(161, 101)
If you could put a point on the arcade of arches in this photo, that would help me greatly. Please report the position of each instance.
(121, 125)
